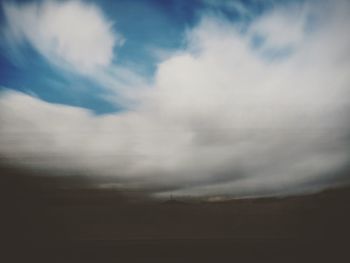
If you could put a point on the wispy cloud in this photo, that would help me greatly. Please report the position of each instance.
(71, 34)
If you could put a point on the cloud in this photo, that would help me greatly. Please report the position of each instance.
(72, 34)
(283, 27)
(219, 118)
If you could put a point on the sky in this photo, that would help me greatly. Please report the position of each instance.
(192, 98)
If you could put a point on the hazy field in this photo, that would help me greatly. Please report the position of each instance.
(41, 221)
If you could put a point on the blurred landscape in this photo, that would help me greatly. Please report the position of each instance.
(44, 220)
(174, 131)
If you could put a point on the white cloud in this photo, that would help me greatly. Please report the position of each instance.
(283, 27)
(68, 33)
(219, 118)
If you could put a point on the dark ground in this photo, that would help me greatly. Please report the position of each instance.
(42, 222)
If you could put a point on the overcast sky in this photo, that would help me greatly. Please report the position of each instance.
(189, 97)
